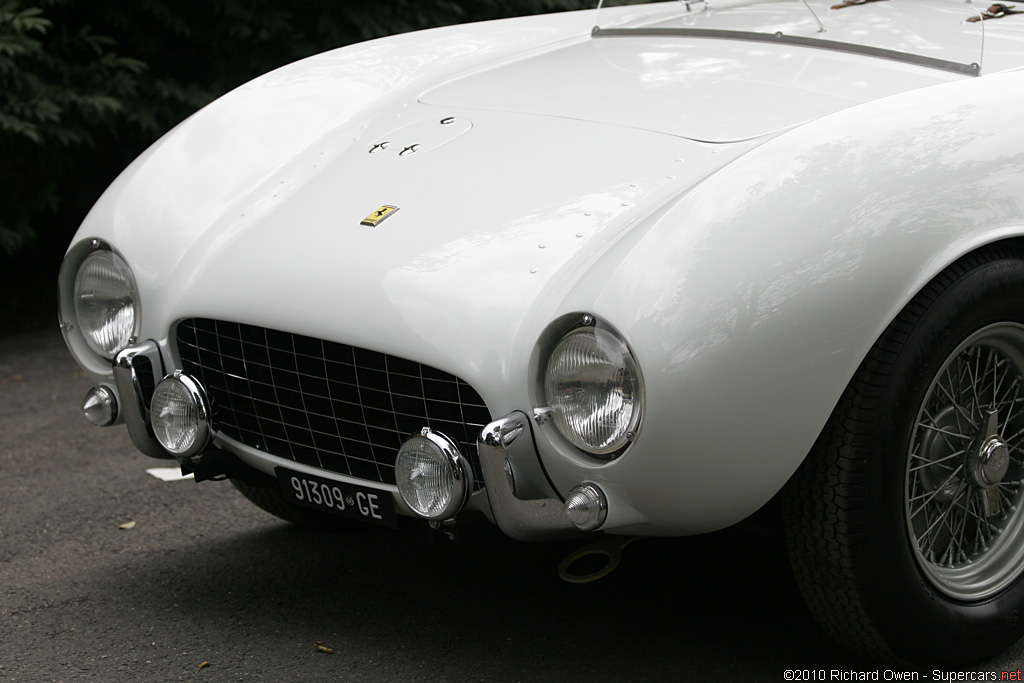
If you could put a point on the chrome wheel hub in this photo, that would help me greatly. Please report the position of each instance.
(963, 510)
(993, 463)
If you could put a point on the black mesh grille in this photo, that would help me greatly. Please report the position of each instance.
(323, 404)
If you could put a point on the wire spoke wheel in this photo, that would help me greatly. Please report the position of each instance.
(905, 524)
(963, 481)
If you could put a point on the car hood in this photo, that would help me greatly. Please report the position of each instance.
(727, 73)
(495, 213)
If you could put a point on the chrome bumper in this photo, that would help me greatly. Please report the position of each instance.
(523, 503)
(522, 500)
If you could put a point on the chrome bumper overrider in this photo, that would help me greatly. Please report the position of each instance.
(522, 502)
(135, 367)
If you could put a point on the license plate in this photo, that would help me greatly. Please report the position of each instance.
(346, 500)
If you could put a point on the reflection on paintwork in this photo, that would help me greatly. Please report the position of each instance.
(263, 129)
(762, 288)
(732, 90)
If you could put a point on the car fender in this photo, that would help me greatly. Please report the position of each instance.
(750, 301)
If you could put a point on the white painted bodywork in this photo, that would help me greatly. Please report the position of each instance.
(749, 217)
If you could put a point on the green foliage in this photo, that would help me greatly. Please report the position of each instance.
(85, 86)
(59, 86)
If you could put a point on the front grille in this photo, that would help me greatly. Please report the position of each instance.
(323, 404)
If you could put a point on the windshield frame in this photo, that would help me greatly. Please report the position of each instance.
(781, 38)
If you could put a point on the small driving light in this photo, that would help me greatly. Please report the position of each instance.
(586, 507)
(100, 406)
(179, 415)
(433, 477)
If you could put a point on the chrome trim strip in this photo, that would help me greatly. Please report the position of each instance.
(133, 404)
(801, 41)
(543, 519)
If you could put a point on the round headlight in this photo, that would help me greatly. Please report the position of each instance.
(595, 390)
(433, 477)
(179, 415)
(106, 302)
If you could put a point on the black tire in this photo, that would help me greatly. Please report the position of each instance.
(887, 521)
(270, 499)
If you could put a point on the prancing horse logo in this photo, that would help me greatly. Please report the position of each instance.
(378, 216)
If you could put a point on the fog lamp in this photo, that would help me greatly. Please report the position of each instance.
(586, 507)
(100, 406)
(179, 415)
(433, 477)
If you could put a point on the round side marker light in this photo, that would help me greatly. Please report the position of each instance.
(100, 406)
(586, 507)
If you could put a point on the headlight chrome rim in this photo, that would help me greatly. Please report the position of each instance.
(105, 300)
(601, 425)
(179, 415)
(416, 453)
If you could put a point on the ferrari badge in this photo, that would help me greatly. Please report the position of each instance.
(378, 216)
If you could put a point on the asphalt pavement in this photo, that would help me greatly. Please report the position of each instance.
(108, 573)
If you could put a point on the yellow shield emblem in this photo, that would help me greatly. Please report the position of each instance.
(378, 216)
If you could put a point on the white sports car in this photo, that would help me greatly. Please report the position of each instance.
(637, 270)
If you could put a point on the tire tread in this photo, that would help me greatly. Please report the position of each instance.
(824, 503)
